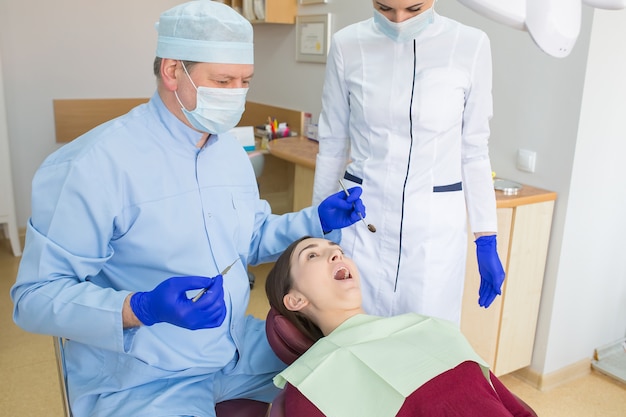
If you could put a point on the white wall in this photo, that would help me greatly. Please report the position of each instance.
(78, 49)
(68, 49)
(589, 303)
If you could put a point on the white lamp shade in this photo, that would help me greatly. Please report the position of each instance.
(554, 25)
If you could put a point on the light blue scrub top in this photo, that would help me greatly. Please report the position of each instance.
(124, 207)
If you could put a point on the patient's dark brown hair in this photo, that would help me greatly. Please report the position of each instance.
(278, 283)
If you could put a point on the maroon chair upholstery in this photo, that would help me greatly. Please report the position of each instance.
(241, 408)
(284, 338)
(289, 343)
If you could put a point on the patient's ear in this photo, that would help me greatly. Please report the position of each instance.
(295, 301)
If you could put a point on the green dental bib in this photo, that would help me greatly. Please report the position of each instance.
(369, 364)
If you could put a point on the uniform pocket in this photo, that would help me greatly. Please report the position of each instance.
(439, 101)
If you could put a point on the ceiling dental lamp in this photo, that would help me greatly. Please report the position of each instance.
(553, 25)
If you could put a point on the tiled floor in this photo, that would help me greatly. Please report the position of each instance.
(29, 385)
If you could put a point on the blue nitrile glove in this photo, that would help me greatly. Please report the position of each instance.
(341, 210)
(490, 268)
(168, 302)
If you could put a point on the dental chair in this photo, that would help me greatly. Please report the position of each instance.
(289, 343)
(231, 408)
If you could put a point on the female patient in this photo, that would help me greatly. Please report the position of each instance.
(361, 365)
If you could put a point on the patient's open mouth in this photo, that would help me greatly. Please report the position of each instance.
(342, 273)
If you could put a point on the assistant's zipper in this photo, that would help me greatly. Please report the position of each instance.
(408, 166)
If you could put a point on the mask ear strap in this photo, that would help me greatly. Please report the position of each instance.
(179, 102)
(188, 76)
(190, 80)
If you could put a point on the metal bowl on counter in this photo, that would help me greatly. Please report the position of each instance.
(507, 187)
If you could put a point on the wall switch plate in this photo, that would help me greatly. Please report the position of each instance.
(526, 160)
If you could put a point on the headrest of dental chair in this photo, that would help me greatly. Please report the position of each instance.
(287, 342)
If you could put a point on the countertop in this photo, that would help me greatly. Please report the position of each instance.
(303, 151)
(296, 149)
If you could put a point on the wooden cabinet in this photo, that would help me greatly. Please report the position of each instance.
(266, 11)
(504, 333)
(300, 152)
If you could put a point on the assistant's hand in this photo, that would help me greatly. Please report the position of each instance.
(341, 210)
(490, 268)
(168, 303)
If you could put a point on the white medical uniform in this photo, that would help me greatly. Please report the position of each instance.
(122, 208)
(412, 119)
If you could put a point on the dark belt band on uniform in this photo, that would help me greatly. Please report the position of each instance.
(447, 188)
(353, 178)
(436, 189)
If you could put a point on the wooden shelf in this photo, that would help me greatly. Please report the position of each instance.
(276, 11)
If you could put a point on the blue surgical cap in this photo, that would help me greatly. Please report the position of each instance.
(205, 31)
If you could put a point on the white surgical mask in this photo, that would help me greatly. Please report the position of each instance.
(407, 30)
(217, 110)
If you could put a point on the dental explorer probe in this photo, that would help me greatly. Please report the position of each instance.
(202, 291)
(370, 227)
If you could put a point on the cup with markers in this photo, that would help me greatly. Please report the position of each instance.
(276, 130)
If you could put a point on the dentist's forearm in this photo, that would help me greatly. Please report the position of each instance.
(129, 319)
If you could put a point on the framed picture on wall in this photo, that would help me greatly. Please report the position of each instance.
(313, 1)
(312, 35)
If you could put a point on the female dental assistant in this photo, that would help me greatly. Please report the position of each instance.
(405, 114)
